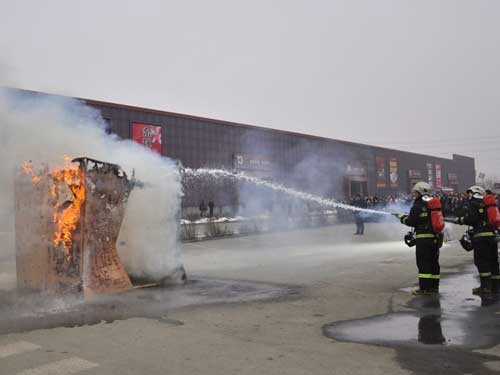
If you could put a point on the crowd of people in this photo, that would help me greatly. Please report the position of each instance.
(453, 204)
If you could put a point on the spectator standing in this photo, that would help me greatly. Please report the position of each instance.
(203, 208)
(358, 201)
(211, 206)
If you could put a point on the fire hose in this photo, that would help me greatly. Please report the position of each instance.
(465, 240)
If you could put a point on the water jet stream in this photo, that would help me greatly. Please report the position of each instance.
(221, 173)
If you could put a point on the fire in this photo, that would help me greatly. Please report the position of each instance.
(67, 212)
(29, 171)
(67, 188)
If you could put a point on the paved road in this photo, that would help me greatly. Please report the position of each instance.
(339, 277)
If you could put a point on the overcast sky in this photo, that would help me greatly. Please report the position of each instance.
(413, 75)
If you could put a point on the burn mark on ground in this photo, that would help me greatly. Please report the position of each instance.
(24, 312)
(438, 334)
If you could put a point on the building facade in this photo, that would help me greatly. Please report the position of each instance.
(327, 167)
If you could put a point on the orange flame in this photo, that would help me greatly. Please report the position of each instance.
(29, 171)
(67, 214)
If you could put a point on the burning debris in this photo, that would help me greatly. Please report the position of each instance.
(67, 225)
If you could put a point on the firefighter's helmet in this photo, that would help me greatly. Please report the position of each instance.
(477, 191)
(422, 187)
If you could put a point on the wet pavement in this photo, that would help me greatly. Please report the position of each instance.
(341, 277)
(445, 328)
(20, 313)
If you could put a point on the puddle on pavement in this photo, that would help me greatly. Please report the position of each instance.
(454, 318)
(19, 313)
(438, 334)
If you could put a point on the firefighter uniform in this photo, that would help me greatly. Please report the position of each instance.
(484, 245)
(427, 248)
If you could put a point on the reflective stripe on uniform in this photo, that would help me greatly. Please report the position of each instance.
(423, 214)
(485, 274)
(484, 234)
(428, 276)
(495, 277)
(425, 235)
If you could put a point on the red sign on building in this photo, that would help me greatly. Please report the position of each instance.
(147, 135)
(439, 181)
(381, 174)
(430, 174)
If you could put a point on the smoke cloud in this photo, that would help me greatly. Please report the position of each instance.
(45, 128)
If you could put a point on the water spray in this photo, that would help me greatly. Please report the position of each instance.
(279, 188)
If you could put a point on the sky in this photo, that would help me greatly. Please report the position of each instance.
(420, 76)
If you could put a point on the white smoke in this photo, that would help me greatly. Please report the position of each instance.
(46, 128)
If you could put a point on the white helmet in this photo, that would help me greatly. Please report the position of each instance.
(422, 188)
(477, 191)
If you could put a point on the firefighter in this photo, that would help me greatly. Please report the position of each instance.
(427, 242)
(483, 242)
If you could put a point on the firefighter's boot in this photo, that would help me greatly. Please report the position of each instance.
(434, 286)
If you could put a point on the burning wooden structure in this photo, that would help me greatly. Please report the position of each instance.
(67, 224)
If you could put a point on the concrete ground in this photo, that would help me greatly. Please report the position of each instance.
(336, 277)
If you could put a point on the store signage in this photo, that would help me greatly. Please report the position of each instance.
(414, 174)
(148, 135)
(251, 163)
(439, 181)
(430, 174)
(381, 174)
(393, 173)
(355, 170)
